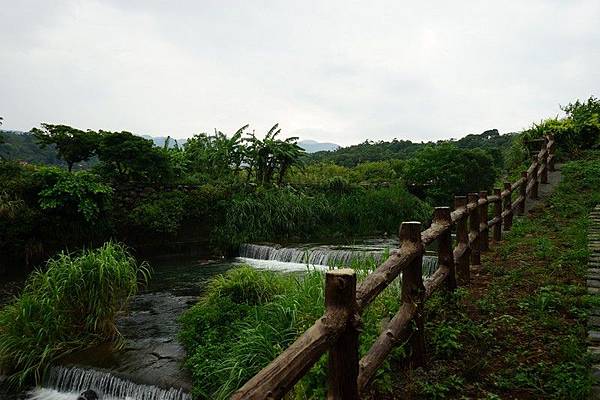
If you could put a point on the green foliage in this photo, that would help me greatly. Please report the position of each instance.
(247, 317)
(440, 172)
(215, 155)
(70, 305)
(126, 156)
(271, 156)
(286, 214)
(23, 146)
(578, 131)
(73, 145)
(161, 214)
(77, 193)
(271, 213)
(368, 151)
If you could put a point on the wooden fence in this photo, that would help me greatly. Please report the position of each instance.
(337, 331)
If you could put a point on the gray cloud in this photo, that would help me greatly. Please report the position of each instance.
(341, 71)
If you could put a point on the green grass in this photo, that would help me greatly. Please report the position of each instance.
(283, 214)
(247, 317)
(69, 305)
(519, 330)
(520, 334)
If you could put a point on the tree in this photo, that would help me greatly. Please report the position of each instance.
(73, 145)
(271, 156)
(216, 155)
(129, 156)
(586, 124)
(438, 172)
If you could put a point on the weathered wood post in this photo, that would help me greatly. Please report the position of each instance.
(523, 192)
(340, 299)
(474, 237)
(508, 214)
(462, 251)
(551, 158)
(413, 290)
(544, 175)
(498, 215)
(534, 178)
(483, 222)
(442, 216)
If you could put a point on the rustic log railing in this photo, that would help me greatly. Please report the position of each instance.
(337, 331)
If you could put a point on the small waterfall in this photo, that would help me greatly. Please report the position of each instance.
(72, 381)
(323, 255)
(320, 255)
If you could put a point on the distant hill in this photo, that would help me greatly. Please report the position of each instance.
(490, 140)
(312, 146)
(22, 146)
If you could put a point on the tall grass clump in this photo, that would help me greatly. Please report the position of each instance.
(247, 317)
(284, 214)
(70, 305)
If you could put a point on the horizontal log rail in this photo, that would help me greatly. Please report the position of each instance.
(337, 331)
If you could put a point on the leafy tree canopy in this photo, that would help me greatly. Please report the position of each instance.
(127, 156)
(73, 145)
(439, 172)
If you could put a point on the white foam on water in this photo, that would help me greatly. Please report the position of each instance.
(292, 259)
(275, 265)
(65, 383)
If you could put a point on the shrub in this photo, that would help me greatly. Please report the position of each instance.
(578, 131)
(247, 317)
(70, 305)
(78, 194)
(161, 214)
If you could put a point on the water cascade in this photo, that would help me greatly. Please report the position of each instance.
(67, 383)
(324, 255)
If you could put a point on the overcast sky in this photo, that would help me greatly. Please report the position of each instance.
(340, 71)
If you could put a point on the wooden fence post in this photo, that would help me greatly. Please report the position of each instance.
(523, 192)
(551, 153)
(441, 215)
(413, 290)
(534, 178)
(544, 177)
(342, 372)
(498, 215)
(508, 207)
(474, 238)
(462, 236)
(483, 223)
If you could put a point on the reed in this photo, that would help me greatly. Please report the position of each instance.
(69, 305)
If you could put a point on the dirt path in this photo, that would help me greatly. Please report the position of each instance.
(545, 190)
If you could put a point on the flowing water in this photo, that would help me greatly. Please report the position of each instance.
(67, 383)
(321, 256)
(149, 362)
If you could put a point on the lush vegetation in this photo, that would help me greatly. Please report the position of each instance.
(69, 305)
(222, 190)
(247, 317)
(518, 332)
(229, 189)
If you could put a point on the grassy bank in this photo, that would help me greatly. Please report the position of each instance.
(519, 330)
(247, 317)
(70, 305)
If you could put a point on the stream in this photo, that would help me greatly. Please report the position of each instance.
(148, 365)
